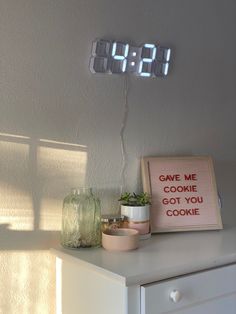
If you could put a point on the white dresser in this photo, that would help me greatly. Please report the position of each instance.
(182, 273)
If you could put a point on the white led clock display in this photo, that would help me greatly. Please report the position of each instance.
(147, 60)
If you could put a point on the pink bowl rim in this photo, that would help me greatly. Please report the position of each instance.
(128, 232)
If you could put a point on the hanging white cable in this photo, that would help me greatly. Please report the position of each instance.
(122, 131)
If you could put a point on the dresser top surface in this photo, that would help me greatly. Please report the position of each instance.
(161, 257)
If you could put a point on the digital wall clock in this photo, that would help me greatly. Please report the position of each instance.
(112, 57)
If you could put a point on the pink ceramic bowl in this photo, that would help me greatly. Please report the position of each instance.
(120, 239)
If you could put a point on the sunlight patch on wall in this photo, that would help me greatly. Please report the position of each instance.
(14, 136)
(58, 285)
(27, 282)
(50, 214)
(16, 208)
(61, 166)
(45, 141)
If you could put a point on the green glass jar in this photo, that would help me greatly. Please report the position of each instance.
(81, 219)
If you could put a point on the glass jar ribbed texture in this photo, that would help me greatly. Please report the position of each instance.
(81, 219)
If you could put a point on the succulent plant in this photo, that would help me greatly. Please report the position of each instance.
(134, 199)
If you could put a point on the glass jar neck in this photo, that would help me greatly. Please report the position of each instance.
(81, 190)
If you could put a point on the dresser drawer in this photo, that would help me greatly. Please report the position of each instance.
(189, 291)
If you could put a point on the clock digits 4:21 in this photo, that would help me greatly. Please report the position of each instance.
(113, 57)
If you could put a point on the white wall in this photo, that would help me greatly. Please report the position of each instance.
(60, 125)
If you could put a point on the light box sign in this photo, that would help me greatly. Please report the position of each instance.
(184, 194)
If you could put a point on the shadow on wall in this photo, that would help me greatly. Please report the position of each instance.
(34, 177)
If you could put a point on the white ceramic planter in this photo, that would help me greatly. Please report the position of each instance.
(138, 218)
